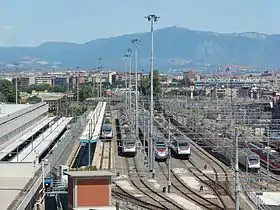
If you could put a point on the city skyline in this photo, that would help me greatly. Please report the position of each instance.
(30, 23)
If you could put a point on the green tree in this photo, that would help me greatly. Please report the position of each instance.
(59, 89)
(39, 87)
(34, 100)
(7, 91)
(145, 84)
(86, 91)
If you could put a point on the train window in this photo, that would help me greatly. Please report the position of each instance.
(130, 143)
(107, 127)
(184, 144)
(252, 158)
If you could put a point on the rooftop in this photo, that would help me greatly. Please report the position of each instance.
(10, 188)
(270, 198)
(7, 109)
(89, 173)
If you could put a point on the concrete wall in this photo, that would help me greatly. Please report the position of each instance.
(14, 170)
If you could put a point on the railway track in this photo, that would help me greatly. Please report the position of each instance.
(220, 191)
(188, 192)
(151, 195)
(105, 161)
(120, 193)
(80, 155)
(216, 191)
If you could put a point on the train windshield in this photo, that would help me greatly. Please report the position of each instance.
(253, 159)
(107, 128)
(129, 143)
(183, 144)
(160, 144)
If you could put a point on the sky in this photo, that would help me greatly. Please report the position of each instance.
(32, 22)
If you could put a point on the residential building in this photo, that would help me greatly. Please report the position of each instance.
(43, 79)
(22, 82)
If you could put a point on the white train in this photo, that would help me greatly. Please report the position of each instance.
(180, 143)
(249, 160)
(106, 131)
(180, 146)
(129, 145)
(161, 148)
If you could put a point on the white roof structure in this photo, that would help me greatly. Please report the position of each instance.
(7, 109)
(270, 198)
(30, 153)
(34, 129)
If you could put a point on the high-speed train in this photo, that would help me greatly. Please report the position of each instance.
(248, 160)
(220, 147)
(129, 145)
(180, 147)
(106, 131)
(161, 149)
(180, 143)
(261, 150)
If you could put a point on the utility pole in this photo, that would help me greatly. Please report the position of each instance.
(130, 69)
(16, 87)
(17, 69)
(267, 157)
(169, 159)
(136, 43)
(152, 19)
(100, 82)
(125, 69)
(237, 204)
(78, 81)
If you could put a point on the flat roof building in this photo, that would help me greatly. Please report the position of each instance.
(89, 189)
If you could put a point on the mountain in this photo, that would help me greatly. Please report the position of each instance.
(175, 48)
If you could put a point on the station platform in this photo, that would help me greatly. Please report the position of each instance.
(95, 119)
(99, 144)
(35, 149)
(27, 134)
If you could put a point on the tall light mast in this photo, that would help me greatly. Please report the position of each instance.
(130, 69)
(100, 79)
(136, 43)
(125, 69)
(152, 19)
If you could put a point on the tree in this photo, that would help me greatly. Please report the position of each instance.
(38, 87)
(145, 84)
(86, 91)
(59, 89)
(7, 91)
(34, 100)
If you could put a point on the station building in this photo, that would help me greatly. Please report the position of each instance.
(89, 190)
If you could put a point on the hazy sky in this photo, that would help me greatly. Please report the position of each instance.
(31, 22)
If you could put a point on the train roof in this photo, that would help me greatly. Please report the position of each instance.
(180, 139)
(246, 151)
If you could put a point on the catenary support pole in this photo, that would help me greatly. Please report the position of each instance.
(237, 204)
